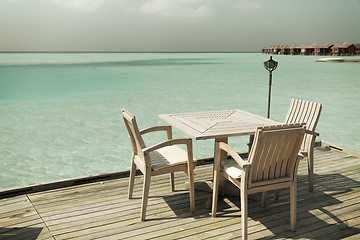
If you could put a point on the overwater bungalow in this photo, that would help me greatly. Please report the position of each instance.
(265, 50)
(277, 49)
(357, 49)
(295, 49)
(306, 50)
(285, 50)
(345, 48)
(323, 49)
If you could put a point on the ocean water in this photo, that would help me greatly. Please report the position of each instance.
(60, 113)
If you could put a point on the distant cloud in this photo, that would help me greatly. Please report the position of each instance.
(80, 5)
(186, 9)
(15, 1)
(248, 4)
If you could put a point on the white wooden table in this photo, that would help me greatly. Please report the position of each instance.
(218, 125)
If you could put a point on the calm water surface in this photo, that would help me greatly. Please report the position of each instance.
(60, 114)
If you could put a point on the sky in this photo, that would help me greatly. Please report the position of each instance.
(174, 25)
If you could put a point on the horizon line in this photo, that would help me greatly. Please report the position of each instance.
(130, 51)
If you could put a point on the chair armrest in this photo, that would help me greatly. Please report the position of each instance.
(234, 155)
(171, 142)
(312, 133)
(168, 130)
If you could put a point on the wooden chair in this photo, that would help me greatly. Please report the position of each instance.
(161, 158)
(301, 111)
(272, 164)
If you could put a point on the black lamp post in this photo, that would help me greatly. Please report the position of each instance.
(270, 65)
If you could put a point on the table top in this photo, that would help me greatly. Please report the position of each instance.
(217, 124)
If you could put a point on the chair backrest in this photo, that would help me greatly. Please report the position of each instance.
(137, 141)
(273, 156)
(301, 111)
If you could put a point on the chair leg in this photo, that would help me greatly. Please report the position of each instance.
(146, 188)
(215, 192)
(172, 182)
(264, 196)
(132, 178)
(191, 190)
(293, 203)
(216, 176)
(276, 194)
(310, 159)
(244, 210)
(263, 199)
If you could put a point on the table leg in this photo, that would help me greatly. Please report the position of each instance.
(225, 187)
(216, 165)
(251, 140)
(208, 185)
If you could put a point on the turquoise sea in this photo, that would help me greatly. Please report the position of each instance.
(60, 113)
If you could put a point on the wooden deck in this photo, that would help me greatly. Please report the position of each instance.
(101, 210)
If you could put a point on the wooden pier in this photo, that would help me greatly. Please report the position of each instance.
(101, 210)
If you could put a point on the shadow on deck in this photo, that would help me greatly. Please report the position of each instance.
(101, 210)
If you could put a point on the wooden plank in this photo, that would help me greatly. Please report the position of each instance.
(15, 191)
(9, 207)
(131, 207)
(276, 218)
(38, 231)
(128, 219)
(79, 215)
(191, 225)
(83, 198)
(102, 211)
(20, 220)
(352, 237)
(20, 208)
(275, 222)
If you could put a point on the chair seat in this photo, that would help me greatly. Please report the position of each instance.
(232, 168)
(168, 156)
